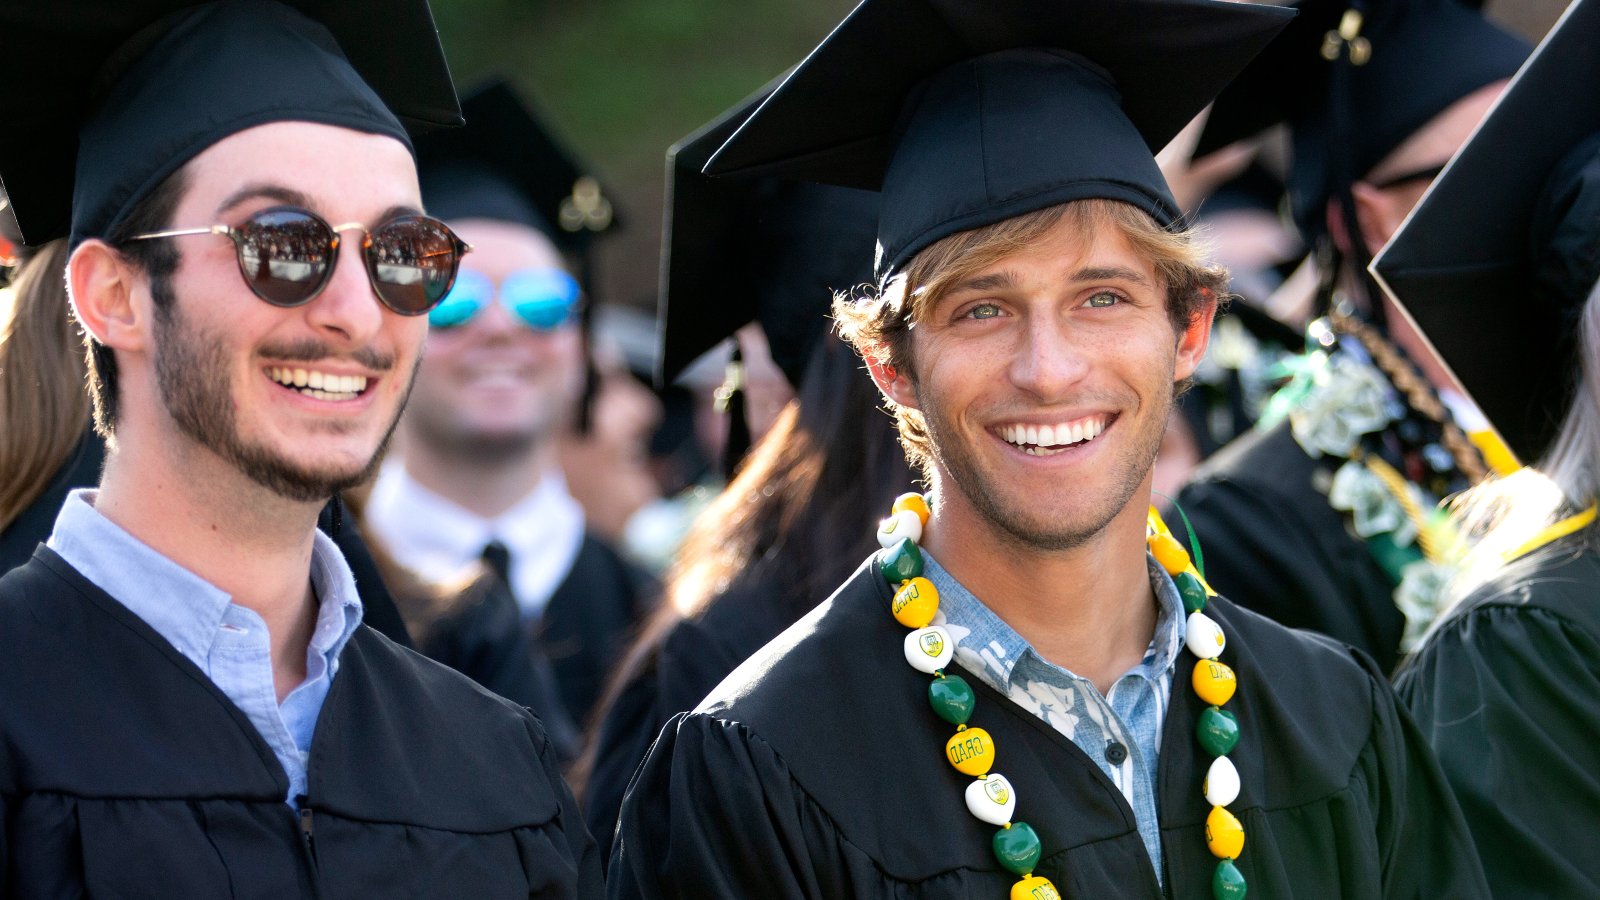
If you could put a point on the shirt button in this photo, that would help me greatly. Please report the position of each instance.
(1116, 753)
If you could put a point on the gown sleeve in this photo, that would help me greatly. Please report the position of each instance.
(713, 813)
(1509, 697)
(590, 882)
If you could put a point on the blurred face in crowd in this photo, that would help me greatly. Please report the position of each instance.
(495, 387)
(226, 367)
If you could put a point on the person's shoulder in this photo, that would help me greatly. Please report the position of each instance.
(1561, 581)
(472, 760)
(785, 675)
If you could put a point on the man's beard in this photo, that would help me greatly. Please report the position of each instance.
(1090, 515)
(195, 383)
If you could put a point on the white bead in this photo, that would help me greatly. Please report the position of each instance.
(929, 649)
(991, 799)
(1204, 637)
(906, 524)
(1222, 782)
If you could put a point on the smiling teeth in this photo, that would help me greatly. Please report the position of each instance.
(1043, 439)
(320, 385)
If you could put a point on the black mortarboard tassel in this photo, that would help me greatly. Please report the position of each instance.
(770, 250)
(121, 95)
(967, 113)
(1502, 252)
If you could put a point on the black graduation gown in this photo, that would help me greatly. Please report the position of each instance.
(33, 525)
(1272, 544)
(483, 638)
(692, 659)
(817, 769)
(125, 772)
(1508, 692)
(589, 620)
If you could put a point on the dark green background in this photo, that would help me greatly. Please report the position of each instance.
(621, 80)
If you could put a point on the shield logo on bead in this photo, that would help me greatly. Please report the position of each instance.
(932, 644)
(991, 799)
(997, 789)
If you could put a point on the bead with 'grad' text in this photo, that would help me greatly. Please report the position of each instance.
(915, 603)
(971, 751)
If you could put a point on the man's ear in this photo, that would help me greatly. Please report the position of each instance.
(1194, 339)
(103, 287)
(1377, 216)
(895, 384)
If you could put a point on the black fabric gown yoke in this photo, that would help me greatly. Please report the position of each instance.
(1273, 545)
(817, 770)
(588, 621)
(1508, 692)
(124, 772)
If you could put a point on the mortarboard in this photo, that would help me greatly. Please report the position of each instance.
(736, 250)
(1498, 258)
(506, 165)
(1353, 79)
(121, 95)
(967, 113)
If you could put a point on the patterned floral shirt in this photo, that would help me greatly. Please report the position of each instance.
(1120, 731)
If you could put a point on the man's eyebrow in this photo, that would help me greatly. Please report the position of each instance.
(1110, 273)
(284, 195)
(993, 281)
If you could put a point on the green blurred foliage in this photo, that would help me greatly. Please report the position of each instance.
(621, 80)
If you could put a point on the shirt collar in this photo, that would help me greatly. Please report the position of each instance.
(181, 606)
(992, 649)
(437, 538)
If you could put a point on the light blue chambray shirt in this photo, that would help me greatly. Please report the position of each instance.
(228, 642)
(1131, 715)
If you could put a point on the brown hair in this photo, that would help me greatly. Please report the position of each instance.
(43, 407)
(879, 324)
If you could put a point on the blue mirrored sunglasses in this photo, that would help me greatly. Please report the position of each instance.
(542, 299)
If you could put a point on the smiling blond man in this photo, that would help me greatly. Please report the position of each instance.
(1029, 692)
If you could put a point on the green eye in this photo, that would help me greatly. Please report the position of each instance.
(983, 311)
(1103, 299)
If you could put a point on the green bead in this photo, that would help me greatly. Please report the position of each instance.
(902, 562)
(952, 699)
(1228, 882)
(1191, 590)
(1018, 848)
(1218, 731)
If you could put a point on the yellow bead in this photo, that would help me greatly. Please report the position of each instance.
(915, 603)
(971, 751)
(1169, 553)
(1034, 887)
(1214, 681)
(1224, 834)
(915, 503)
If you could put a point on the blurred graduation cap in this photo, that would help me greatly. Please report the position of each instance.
(1498, 258)
(753, 249)
(967, 113)
(1353, 79)
(507, 166)
(121, 95)
(756, 249)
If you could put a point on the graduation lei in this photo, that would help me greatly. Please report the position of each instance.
(990, 797)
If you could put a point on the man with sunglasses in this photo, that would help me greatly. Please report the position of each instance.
(477, 475)
(1327, 505)
(189, 703)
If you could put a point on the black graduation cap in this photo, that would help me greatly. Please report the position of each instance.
(1500, 255)
(120, 95)
(736, 250)
(965, 113)
(506, 165)
(1353, 79)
